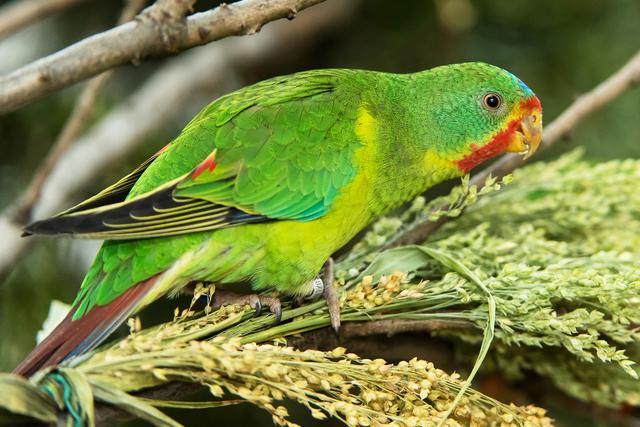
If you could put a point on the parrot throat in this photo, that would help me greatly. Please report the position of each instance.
(496, 146)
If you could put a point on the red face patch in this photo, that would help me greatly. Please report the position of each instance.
(496, 146)
(500, 141)
(531, 104)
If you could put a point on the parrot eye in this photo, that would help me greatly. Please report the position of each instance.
(491, 101)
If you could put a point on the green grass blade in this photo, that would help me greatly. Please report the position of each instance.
(489, 329)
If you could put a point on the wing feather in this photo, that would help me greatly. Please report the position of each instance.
(272, 154)
(116, 192)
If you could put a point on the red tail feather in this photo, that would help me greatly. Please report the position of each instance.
(94, 326)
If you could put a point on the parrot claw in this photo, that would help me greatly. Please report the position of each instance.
(257, 306)
(277, 311)
(222, 297)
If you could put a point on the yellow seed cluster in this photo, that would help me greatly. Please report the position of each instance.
(360, 392)
(368, 294)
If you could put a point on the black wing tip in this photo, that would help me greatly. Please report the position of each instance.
(30, 229)
(35, 228)
(49, 226)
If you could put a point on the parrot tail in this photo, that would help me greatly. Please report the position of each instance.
(75, 337)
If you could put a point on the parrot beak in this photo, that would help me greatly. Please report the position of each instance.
(526, 138)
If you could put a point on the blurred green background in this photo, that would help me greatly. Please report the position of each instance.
(560, 48)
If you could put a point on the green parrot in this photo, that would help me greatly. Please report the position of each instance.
(266, 183)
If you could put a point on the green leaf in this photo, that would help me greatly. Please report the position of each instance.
(489, 329)
(20, 397)
(406, 259)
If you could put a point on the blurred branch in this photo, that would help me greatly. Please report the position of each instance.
(72, 129)
(619, 82)
(19, 14)
(159, 30)
(393, 327)
(167, 93)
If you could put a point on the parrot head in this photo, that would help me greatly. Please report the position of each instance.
(484, 111)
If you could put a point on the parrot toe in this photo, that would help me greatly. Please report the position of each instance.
(333, 304)
(223, 297)
(276, 309)
(324, 287)
(255, 302)
(331, 296)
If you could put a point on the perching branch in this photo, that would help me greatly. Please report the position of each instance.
(171, 90)
(72, 129)
(619, 82)
(393, 327)
(19, 14)
(159, 30)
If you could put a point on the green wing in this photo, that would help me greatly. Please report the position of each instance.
(281, 149)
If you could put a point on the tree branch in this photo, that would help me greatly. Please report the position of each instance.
(393, 327)
(159, 30)
(72, 129)
(611, 88)
(18, 14)
(192, 77)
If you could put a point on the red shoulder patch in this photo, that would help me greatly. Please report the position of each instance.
(208, 164)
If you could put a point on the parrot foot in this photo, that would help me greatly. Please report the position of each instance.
(331, 296)
(222, 297)
(324, 287)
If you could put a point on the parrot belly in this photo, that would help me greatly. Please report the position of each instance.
(281, 255)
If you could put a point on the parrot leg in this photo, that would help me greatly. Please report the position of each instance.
(324, 287)
(222, 297)
(331, 296)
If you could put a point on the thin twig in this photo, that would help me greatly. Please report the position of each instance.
(611, 88)
(72, 129)
(19, 14)
(159, 30)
